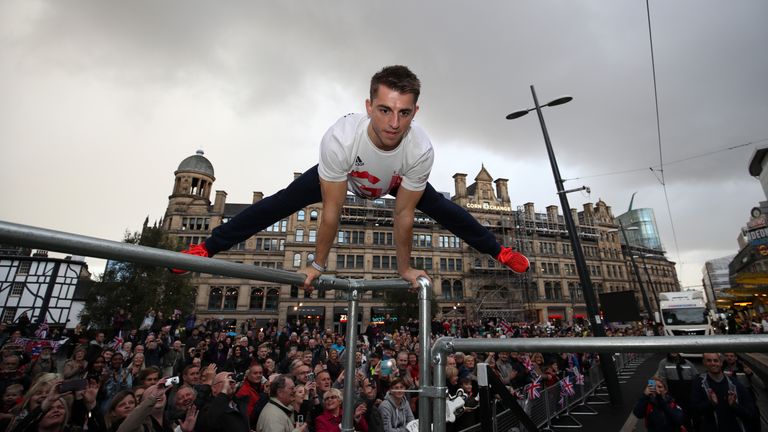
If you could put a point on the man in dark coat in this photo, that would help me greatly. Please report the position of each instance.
(224, 412)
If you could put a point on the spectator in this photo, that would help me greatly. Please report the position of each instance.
(330, 419)
(253, 392)
(137, 365)
(44, 363)
(11, 372)
(11, 398)
(148, 415)
(302, 407)
(173, 360)
(719, 403)
(224, 412)
(658, 408)
(395, 411)
(679, 373)
(277, 416)
(77, 365)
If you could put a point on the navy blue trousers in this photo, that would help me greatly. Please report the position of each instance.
(305, 190)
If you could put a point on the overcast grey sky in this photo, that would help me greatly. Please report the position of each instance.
(101, 101)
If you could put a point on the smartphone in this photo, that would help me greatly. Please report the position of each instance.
(73, 385)
(299, 420)
(171, 381)
(310, 377)
(652, 383)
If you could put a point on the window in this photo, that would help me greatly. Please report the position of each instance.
(294, 291)
(349, 261)
(273, 299)
(297, 260)
(214, 298)
(351, 237)
(458, 290)
(301, 215)
(313, 215)
(312, 236)
(384, 262)
(383, 238)
(446, 287)
(17, 289)
(299, 235)
(195, 224)
(9, 314)
(257, 299)
(423, 263)
(230, 298)
(452, 242)
(24, 267)
(422, 240)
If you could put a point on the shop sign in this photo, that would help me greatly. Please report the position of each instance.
(757, 234)
(486, 206)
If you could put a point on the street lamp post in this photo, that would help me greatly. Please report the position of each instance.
(606, 360)
(646, 303)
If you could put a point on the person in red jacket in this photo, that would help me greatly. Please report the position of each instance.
(253, 390)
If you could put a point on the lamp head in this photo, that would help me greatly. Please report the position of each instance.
(560, 101)
(517, 114)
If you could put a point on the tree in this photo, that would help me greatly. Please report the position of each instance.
(136, 288)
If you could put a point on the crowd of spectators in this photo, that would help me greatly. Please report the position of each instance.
(174, 374)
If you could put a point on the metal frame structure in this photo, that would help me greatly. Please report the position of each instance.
(433, 359)
(40, 238)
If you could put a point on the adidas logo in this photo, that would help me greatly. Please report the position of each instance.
(358, 161)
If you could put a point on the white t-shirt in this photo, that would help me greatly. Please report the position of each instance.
(347, 153)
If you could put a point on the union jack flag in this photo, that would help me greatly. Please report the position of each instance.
(117, 342)
(566, 387)
(527, 363)
(42, 330)
(562, 401)
(579, 378)
(506, 326)
(532, 389)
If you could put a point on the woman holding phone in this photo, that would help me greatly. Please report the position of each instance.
(658, 408)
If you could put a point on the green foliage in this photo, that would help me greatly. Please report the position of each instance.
(138, 287)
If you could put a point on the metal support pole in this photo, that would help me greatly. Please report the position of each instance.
(41, 238)
(486, 419)
(650, 283)
(439, 350)
(48, 294)
(646, 303)
(425, 330)
(347, 419)
(606, 362)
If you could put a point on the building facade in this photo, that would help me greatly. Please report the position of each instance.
(30, 284)
(467, 284)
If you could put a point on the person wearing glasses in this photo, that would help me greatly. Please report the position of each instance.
(330, 419)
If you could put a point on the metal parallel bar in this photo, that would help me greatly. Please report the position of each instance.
(425, 340)
(649, 344)
(41, 238)
(347, 419)
(439, 350)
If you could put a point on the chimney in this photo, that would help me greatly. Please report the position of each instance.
(296, 175)
(530, 212)
(502, 191)
(460, 184)
(218, 204)
(575, 216)
(552, 213)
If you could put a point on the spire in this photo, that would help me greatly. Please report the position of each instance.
(631, 201)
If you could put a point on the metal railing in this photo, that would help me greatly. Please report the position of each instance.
(432, 361)
(40, 238)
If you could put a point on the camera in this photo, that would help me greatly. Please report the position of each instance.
(172, 381)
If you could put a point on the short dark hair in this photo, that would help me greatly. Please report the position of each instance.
(398, 78)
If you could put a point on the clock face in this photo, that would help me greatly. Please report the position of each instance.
(756, 212)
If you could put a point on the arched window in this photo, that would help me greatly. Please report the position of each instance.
(458, 290)
(214, 298)
(558, 291)
(257, 299)
(297, 260)
(313, 215)
(230, 298)
(548, 294)
(299, 235)
(446, 287)
(273, 298)
(301, 215)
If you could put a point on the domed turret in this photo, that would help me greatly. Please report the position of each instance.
(194, 177)
(197, 163)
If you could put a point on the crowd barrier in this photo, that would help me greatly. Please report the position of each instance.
(432, 359)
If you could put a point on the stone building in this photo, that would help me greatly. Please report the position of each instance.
(467, 284)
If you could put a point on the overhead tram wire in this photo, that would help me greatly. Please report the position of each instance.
(652, 168)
